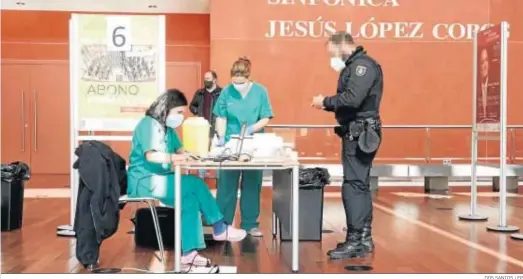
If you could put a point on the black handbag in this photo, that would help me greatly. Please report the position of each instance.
(144, 231)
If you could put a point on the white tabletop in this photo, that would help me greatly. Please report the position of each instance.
(278, 163)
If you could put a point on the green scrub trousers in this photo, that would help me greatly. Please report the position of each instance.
(236, 109)
(146, 179)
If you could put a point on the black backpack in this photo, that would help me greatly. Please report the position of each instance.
(144, 231)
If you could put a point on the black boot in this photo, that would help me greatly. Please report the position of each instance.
(342, 243)
(351, 248)
(366, 238)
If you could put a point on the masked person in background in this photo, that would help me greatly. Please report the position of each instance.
(242, 101)
(155, 148)
(203, 102)
(356, 107)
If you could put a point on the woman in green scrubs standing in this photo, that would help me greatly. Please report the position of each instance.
(241, 101)
(155, 148)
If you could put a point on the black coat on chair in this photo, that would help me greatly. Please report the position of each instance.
(102, 179)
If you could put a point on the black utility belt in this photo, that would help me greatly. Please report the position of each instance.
(365, 131)
(357, 127)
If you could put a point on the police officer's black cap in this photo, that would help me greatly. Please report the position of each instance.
(341, 37)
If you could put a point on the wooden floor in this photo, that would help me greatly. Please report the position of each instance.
(413, 234)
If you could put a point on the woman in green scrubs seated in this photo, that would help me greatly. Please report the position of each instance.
(155, 148)
(241, 101)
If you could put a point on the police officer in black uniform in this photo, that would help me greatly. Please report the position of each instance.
(356, 106)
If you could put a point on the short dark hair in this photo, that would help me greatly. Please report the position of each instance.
(341, 37)
(160, 108)
(213, 74)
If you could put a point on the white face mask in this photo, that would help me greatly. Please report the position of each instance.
(174, 120)
(241, 87)
(337, 64)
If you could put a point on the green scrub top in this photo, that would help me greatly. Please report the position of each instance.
(237, 109)
(143, 175)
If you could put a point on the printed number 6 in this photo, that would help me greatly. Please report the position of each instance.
(118, 39)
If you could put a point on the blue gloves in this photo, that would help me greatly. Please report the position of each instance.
(249, 130)
(221, 140)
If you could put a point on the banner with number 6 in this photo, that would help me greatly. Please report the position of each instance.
(118, 69)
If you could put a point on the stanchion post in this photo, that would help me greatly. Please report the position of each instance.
(473, 216)
(503, 227)
(177, 216)
(67, 230)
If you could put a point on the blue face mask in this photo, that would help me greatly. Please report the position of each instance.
(174, 120)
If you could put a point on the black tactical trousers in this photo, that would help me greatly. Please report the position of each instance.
(356, 194)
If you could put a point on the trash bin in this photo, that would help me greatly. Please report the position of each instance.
(312, 187)
(12, 201)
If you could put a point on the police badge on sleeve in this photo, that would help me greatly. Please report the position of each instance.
(361, 71)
